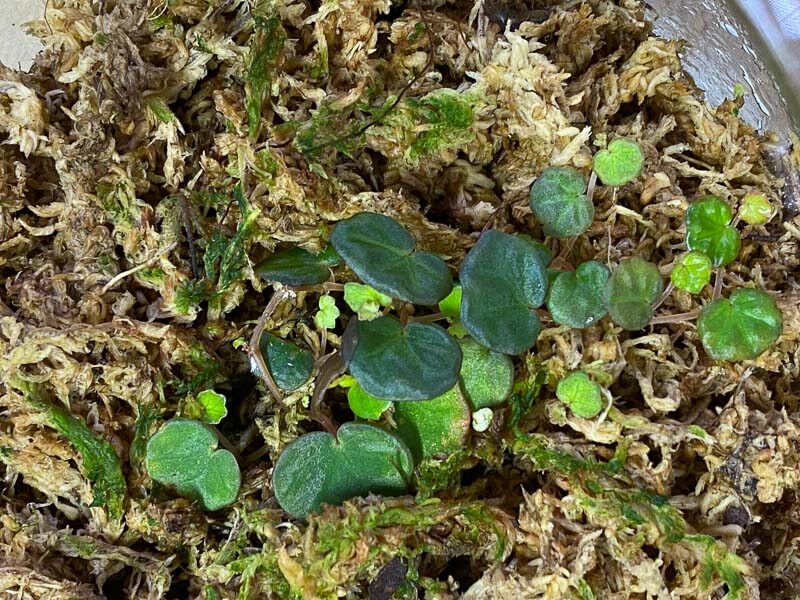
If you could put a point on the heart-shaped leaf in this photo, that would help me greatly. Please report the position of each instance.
(559, 203)
(381, 252)
(708, 230)
(365, 301)
(319, 469)
(581, 394)
(755, 209)
(578, 299)
(740, 327)
(183, 454)
(289, 365)
(392, 362)
(620, 163)
(294, 266)
(692, 272)
(432, 427)
(487, 376)
(209, 407)
(503, 282)
(631, 292)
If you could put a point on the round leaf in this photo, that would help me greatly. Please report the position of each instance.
(487, 376)
(319, 469)
(365, 406)
(415, 362)
(432, 427)
(581, 394)
(503, 282)
(327, 314)
(381, 252)
(740, 327)
(631, 291)
(559, 203)
(294, 266)
(620, 163)
(708, 230)
(219, 484)
(755, 209)
(692, 272)
(289, 365)
(208, 406)
(577, 299)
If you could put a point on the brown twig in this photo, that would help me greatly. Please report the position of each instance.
(677, 318)
(187, 225)
(331, 368)
(718, 283)
(254, 347)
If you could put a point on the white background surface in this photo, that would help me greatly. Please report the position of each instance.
(16, 48)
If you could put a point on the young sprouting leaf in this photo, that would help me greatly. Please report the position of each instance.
(755, 209)
(289, 365)
(740, 327)
(581, 394)
(620, 163)
(381, 252)
(577, 299)
(450, 307)
(390, 361)
(365, 406)
(486, 376)
(319, 469)
(631, 292)
(183, 454)
(692, 272)
(208, 406)
(432, 427)
(559, 202)
(294, 266)
(326, 316)
(708, 230)
(482, 419)
(365, 301)
(503, 282)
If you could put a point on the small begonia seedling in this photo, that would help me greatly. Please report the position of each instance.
(503, 282)
(391, 361)
(486, 376)
(319, 469)
(559, 202)
(578, 299)
(582, 395)
(296, 266)
(183, 454)
(381, 252)
(692, 272)
(328, 312)
(365, 301)
(450, 307)
(361, 403)
(755, 209)
(708, 230)
(434, 427)
(289, 365)
(208, 406)
(631, 291)
(740, 327)
(620, 163)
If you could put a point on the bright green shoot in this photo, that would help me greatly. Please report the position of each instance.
(583, 396)
(559, 202)
(361, 403)
(365, 301)
(709, 230)
(692, 272)
(327, 313)
(450, 307)
(183, 454)
(755, 209)
(208, 406)
(620, 163)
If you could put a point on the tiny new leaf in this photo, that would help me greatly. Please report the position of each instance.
(365, 301)
(708, 230)
(740, 327)
(209, 407)
(503, 282)
(631, 292)
(381, 252)
(559, 202)
(620, 163)
(392, 362)
(319, 469)
(450, 307)
(577, 299)
(487, 376)
(365, 406)
(289, 365)
(581, 394)
(755, 209)
(294, 266)
(183, 454)
(328, 312)
(692, 272)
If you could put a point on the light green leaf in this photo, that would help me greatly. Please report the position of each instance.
(581, 394)
(365, 301)
(365, 406)
(708, 230)
(755, 209)
(692, 272)
(450, 307)
(327, 314)
(631, 292)
(487, 376)
(559, 202)
(208, 406)
(620, 163)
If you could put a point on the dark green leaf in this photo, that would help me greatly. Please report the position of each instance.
(289, 365)
(559, 203)
(487, 376)
(740, 327)
(631, 292)
(294, 266)
(319, 469)
(620, 163)
(578, 299)
(708, 230)
(503, 282)
(415, 362)
(381, 252)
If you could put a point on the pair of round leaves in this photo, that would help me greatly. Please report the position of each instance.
(578, 299)
(381, 252)
(620, 163)
(297, 266)
(503, 281)
(183, 454)
(708, 230)
(740, 327)
(319, 469)
(631, 292)
(559, 202)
